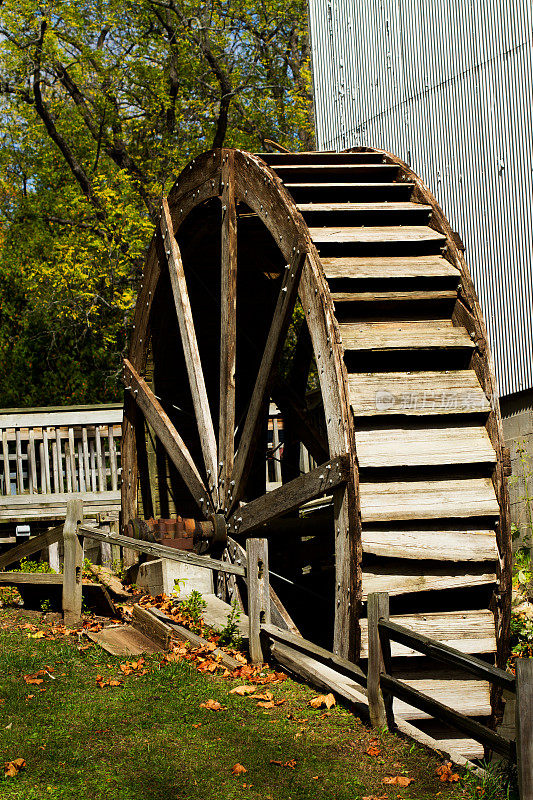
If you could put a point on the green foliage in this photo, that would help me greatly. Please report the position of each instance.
(229, 635)
(193, 607)
(102, 105)
(33, 566)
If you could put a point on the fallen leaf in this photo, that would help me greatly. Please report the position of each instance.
(12, 768)
(398, 780)
(38, 635)
(32, 681)
(244, 689)
(264, 696)
(266, 704)
(372, 750)
(291, 763)
(238, 769)
(212, 705)
(445, 773)
(327, 700)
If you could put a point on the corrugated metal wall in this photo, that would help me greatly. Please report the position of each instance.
(447, 86)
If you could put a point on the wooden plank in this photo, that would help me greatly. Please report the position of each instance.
(404, 335)
(72, 564)
(45, 417)
(405, 579)
(524, 727)
(100, 460)
(428, 446)
(55, 467)
(446, 654)
(47, 486)
(289, 496)
(160, 551)
(20, 474)
(467, 631)
(417, 393)
(167, 435)
(343, 666)
(41, 465)
(446, 545)
(72, 458)
(32, 464)
(23, 578)
(347, 171)
(94, 485)
(123, 640)
(389, 267)
(59, 462)
(276, 336)
(85, 446)
(228, 327)
(341, 299)
(257, 580)
(474, 729)
(43, 501)
(366, 234)
(31, 546)
(112, 459)
(68, 467)
(190, 346)
(7, 471)
(371, 207)
(454, 688)
(377, 609)
(81, 471)
(152, 627)
(432, 499)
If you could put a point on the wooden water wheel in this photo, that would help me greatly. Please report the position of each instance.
(330, 285)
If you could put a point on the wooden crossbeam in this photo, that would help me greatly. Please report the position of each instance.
(167, 434)
(160, 551)
(190, 345)
(278, 328)
(289, 496)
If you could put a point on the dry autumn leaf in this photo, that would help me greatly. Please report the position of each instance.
(398, 780)
(291, 763)
(445, 773)
(266, 704)
(238, 769)
(372, 750)
(212, 705)
(32, 681)
(264, 696)
(326, 700)
(244, 689)
(12, 768)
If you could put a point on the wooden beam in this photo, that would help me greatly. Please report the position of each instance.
(289, 496)
(276, 336)
(168, 436)
(524, 727)
(73, 564)
(31, 546)
(190, 346)
(258, 594)
(448, 655)
(341, 665)
(446, 714)
(160, 551)
(378, 607)
(228, 327)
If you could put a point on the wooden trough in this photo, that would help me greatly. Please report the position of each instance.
(332, 285)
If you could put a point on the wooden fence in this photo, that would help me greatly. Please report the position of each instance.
(48, 454)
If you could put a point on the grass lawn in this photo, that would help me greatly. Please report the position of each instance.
(150, 739)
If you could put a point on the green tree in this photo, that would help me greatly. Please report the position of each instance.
(102, 104)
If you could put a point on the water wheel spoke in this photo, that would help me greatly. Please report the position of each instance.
(167, 434)
(276, 336)
(228, 327)
(190, 348)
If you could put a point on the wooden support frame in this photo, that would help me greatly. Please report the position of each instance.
(73, 564)
(524, 726)
(258, 594)
(380, 709)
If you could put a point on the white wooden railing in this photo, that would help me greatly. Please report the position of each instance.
(50, 454)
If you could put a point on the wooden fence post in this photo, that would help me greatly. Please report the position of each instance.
(72, 563)
(377, 608)
(258, 593)
(524, 727)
